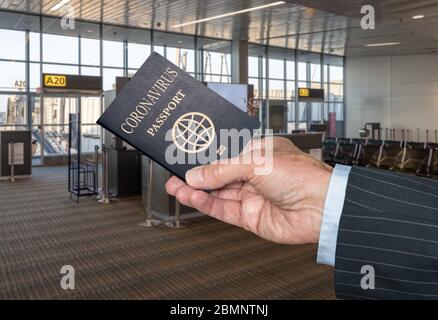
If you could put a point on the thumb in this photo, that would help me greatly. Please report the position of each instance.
(217, 175)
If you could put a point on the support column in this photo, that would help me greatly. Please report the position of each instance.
(239, 61)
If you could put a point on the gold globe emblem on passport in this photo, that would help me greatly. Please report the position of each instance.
(193, 132)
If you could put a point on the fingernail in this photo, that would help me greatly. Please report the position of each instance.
(194, 176)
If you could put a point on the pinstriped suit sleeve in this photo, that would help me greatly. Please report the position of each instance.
(389, 222)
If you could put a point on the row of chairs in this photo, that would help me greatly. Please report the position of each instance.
(410, 157)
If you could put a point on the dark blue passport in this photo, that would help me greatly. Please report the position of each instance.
(175, 119)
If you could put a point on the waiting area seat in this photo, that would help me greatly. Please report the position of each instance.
(413, 158)
(409, 157)
(369, 153)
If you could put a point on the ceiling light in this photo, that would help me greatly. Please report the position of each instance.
(383, 44)
(59, 5)
(420, 16)
(228, 14)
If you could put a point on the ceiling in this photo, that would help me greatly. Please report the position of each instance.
(330, 26)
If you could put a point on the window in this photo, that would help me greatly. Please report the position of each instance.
(285, 74)
(183, 58)
(334, 86)
(316, 111)
(276, 90)
(302, 111)
(90, 112)
(13, 110)
(34, 46)
(315, 72)
(63, 69)
(132, 72)
(160, 50)
(57, 110)
(336, 92)
(290, 70)
(290, 90)
(253, 67)
(35, 76)
(315, 85)
(13, 44)
(302, 71)
(112, 53)
(217, 66)
(60, 49)
(216, 59)
(90, 51)
(90, 71)
(109, 78)
(13, 76)
(290, 116)
(336, 74)
(256, 70)
(137, 54)
(276, 69)
(82, 51)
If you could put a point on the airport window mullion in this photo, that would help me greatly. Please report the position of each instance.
(297, 104)
(196, 54)
(12, 60)
(260, 77)
(101, 49)
(322, 84)
(79, 55)
(41, 91)
(284, 80)
(267, 55)
(27, 79)
(125, 58)
(72, 64)
(309, 105)
(343, 97)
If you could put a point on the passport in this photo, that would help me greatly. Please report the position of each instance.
(176, 120)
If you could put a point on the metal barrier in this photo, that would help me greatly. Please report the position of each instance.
(96, 166)
(12, 159)
(150, 221)
(104, 197)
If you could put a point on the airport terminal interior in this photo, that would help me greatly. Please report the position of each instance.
(341, 86)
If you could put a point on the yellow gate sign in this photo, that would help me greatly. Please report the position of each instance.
(55, 81)
(310, 94)
(304, 92)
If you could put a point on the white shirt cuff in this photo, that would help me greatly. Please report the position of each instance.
(334, 203)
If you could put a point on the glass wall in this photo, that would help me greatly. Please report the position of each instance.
(89, 49)
(13, 87)
(277, 73)
(39, 44)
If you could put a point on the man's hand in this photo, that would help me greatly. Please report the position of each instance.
(284, 206)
